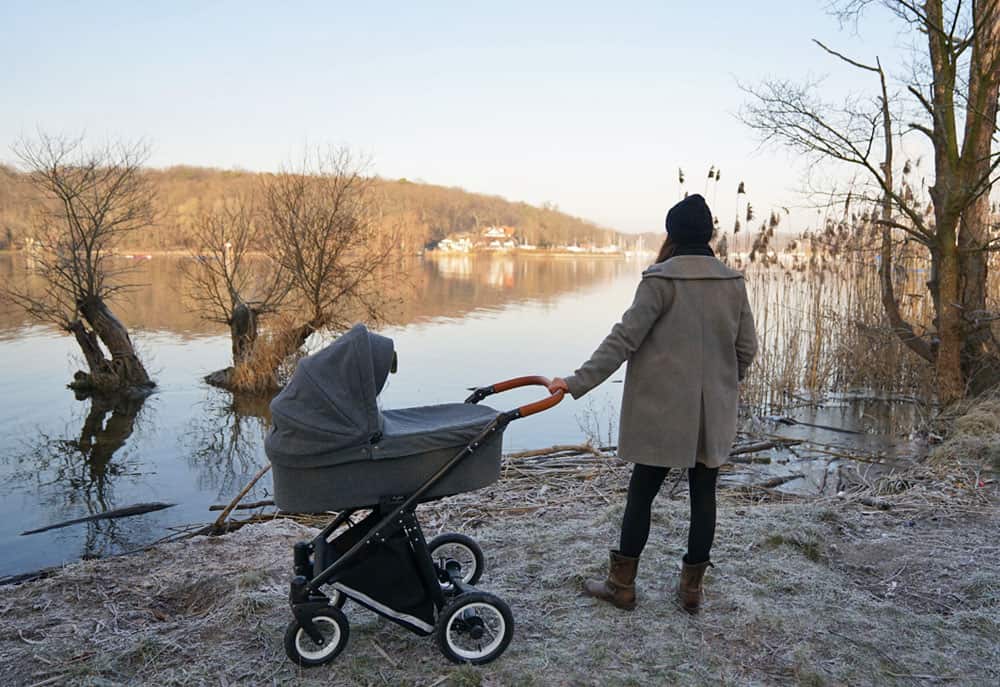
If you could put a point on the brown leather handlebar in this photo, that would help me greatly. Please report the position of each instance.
(533, 380)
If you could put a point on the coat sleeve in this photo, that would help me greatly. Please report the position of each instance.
(624, 339)
(746, 337)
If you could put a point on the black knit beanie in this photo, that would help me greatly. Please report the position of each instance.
(690, 221)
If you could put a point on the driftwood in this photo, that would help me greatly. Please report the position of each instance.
(572, 449)
(568, 450)
(759, 446)
(243, 506)
(749, 460)
(791, 421)
(128, 511)
(219, 525)
(30, 576)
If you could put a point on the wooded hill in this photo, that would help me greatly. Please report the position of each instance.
(422, 212)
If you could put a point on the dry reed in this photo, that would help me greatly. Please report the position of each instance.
(269, 363)
(821, 321)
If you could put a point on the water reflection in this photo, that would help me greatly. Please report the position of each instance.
(446, 286)
(225, 444)
(78, 474)
(452, 286)
(193, 445)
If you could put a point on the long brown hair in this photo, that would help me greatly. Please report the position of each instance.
(667, 250)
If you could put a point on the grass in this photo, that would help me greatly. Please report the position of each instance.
(973, 433)
(810, 549)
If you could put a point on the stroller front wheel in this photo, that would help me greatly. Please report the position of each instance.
(300, 647)
(461, 549)
(474, 628)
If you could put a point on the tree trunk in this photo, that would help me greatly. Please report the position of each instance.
(951, 385)
(124, 361)
(101, 376)
(980, 360)
(90, 347)
(243, 331)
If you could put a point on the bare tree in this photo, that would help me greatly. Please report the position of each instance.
(958, 78)
(232, 280)
(87, 201)
(325, 233)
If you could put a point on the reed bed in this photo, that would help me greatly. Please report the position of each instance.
(821, 323)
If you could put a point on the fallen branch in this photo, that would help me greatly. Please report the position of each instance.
(759, 446)
(21, 578)
(572, 448)
(792, 421)
(750, 460)
(220, 522)
(128, 511)
(243, 506)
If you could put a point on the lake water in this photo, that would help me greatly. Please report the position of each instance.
(467, 321)
(463, 321)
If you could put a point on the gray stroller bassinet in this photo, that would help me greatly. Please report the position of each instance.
(331, 447)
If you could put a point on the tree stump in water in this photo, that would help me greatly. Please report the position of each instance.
(243, 330)
(124, 370)
(124, 361)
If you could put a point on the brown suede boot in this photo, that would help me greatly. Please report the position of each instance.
(619, 588)
(689, 588)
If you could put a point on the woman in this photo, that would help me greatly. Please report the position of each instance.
(689, 338)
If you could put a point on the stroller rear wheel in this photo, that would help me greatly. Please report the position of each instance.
(474, 628)
(300, 647)
(461, 549)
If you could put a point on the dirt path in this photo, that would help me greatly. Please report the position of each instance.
(814, 594)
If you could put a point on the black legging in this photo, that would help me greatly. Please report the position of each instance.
(642, 489)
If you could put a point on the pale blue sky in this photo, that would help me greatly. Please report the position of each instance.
(592, 106)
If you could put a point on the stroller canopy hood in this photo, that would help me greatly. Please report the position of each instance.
(330, 402)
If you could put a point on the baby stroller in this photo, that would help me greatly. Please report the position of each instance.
(332, 449)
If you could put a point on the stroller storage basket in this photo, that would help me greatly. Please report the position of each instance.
(383, 578)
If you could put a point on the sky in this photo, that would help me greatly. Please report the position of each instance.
(592, 106)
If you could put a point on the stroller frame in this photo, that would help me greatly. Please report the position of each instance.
(441, 582)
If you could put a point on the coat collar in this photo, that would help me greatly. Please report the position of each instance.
(692, 267)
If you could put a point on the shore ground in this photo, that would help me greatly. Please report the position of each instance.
(804, 592)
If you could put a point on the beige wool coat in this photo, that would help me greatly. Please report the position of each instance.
(688, 338)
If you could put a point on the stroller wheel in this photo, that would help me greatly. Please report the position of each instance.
(301, 648)
(461, 549)
(474, 628)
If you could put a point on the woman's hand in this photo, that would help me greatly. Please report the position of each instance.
(558, 384)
